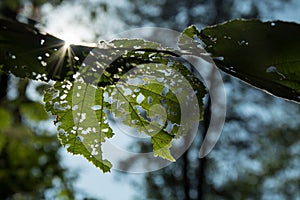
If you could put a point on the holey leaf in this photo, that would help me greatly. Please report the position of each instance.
(159, 101)
(138, 84)
(263, 54)
(151, 90)
(28, 52)
(81, 119)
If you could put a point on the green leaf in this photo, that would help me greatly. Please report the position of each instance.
(145, 89)
(162, 144)
(151, 104)
(28, 52)
(131, 44)
(164, 106)
(82, 128)
(151, 99)
(263, 54)
(189, 41)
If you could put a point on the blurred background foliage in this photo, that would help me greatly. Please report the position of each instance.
(257, 156)
(29, 158)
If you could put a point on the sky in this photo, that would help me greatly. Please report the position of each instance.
(76, 27)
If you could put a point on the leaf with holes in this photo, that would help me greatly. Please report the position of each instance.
(149, 97)
(174, 95)
(82, 121)
(159, 101)
(28, 52)
(263, 54)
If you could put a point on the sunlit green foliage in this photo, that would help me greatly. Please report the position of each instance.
(139, 81)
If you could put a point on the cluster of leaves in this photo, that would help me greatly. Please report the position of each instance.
(139, 81)
(135, 86)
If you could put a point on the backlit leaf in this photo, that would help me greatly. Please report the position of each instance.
(81, 128)
(263, 54)
(28, 52)
(136, 82)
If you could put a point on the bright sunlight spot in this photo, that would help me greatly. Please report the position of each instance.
(69, 38)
